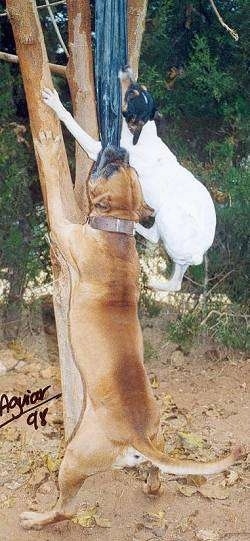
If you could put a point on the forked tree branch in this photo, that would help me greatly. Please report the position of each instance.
(5, 13)
(233, 33)
(55, 25)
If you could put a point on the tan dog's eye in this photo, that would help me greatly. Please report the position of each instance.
(102, 202)
(103, 206)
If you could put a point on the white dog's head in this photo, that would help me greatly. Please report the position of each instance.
(140, 107)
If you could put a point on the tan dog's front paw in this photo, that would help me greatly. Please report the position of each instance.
(29, 520)
(47, 144)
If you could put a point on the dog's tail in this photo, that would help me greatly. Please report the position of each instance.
(185, 467)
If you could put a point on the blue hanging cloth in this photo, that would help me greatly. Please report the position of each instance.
(110, 56)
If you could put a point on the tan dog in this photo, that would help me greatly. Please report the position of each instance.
(120, 424)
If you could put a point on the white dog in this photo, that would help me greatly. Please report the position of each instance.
(185, 217)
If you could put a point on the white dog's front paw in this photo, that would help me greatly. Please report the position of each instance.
(51, 98)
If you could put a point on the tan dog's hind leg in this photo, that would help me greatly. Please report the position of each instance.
(71, 477)
(88, 453)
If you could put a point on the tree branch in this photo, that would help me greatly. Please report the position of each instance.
(54, 68)
(5, 13)
(57, 31)
(233, 33)
(52, 4)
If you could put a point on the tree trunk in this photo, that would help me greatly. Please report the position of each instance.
(81, 83)
(36, 75)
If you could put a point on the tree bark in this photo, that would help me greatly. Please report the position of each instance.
(137, 10)
(36, 75)
(81, 83)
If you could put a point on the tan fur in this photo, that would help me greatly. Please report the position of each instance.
(121, 412)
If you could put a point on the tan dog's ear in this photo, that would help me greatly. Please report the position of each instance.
(146, 211)
(141, 208)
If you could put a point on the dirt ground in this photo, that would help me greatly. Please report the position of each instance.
(204, 402)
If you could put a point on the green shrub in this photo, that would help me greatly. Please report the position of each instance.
(184, 330)
(226, 324)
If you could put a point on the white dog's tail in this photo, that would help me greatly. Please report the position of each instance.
(185, 467)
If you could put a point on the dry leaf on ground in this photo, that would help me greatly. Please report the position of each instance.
(168, 405)
(7, 502)
(90, 518)
(217, 492)
(207, 535)
(187, 490)
(231, 478)
(196, 480)
(53, 464)
(156, 522)
(85, 518)
(102, 522)
(190, 442)
(154, 382)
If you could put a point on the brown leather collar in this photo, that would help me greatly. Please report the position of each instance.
(114, 225)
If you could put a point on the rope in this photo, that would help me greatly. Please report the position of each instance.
(110, 57)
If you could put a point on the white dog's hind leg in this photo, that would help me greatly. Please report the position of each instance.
(152, 233)
(175, 282)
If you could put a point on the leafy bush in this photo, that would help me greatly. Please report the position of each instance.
(224, 323)
(191, 65)
(24, 251)
(184, 330)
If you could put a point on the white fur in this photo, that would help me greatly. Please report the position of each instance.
(185, 218)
